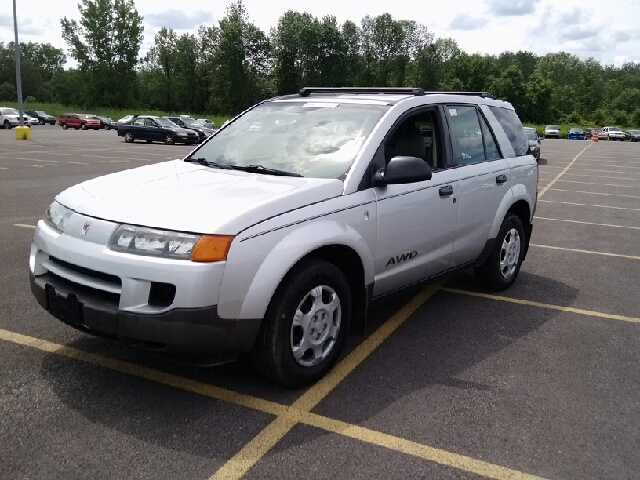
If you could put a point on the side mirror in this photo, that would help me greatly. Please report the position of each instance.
(401, 170)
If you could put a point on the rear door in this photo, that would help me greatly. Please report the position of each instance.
(484, 179)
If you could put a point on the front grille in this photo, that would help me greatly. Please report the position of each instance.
(87, 272)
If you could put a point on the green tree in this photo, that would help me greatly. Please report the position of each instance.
(105, 43)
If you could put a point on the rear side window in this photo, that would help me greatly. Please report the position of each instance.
(466, 134)
(512, 126)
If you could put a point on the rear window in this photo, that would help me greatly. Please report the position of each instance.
(512, 126)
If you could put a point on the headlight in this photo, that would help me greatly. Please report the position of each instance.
(57, 215)
(168, 244)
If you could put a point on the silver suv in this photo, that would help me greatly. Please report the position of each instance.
(274, 235)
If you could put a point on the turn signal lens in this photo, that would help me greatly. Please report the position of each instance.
(211, 248)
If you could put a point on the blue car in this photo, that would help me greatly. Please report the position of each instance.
(575, 134)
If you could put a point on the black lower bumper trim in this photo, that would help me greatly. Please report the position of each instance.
(181, 332)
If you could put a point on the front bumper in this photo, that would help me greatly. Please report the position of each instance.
(180, 333)
(164, 305)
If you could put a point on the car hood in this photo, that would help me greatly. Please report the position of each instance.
(190, 197)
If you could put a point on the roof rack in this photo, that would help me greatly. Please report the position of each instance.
(306, 91)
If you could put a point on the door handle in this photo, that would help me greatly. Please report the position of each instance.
(446, 190)
(500, 179)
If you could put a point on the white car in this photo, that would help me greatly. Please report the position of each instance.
(206, 123)
(613, 133)
(274, 240)
(126, 118)
(551, 131)
(9, 117)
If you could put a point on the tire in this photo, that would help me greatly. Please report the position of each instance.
(107, 127)
(41, 122)
(64, 126)
(168, 139)
(306, 325)
(83, 126)
(501, 268)
(128, 137)
(7, 125)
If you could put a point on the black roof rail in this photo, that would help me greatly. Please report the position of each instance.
(453, 92)
(306, 91)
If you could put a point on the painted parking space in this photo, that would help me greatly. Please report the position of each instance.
(534, 381)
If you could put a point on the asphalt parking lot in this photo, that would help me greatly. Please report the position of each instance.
(449, 381)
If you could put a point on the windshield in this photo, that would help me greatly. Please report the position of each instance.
(634, 132)
(10, 111)
(191, 121)
(575, 130)
(319, 140)
(40, 112)
(552, 127)
(165, 122)
(614, 129)
(531, 133)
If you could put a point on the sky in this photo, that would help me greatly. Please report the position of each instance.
(607, 31)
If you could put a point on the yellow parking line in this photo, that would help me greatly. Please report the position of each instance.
(587, 205)
(544, 190)
(632, 257)
(600, 176)
(287, 416)
(318, 391)
(542, 305)
(595, 193)
(23, 225)
(600, 184)
(586, 223)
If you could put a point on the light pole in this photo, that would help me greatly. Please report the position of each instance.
(18, 78)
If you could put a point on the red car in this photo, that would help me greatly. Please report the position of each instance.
(78, 121)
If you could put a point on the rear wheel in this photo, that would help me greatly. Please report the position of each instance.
(83, 126)
(107, 127)
(501, 268)
(41, 121)
(168, 139)
(128, 137)
(306, 325)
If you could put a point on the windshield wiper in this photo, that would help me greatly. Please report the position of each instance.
(208, 163)
(265, 170)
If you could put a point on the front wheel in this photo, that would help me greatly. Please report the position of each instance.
(306, 325)
(128, 137)
(83, 126)
(41, 122)
(7, 125)
(107, 127)
(168, 139)
(64, 126)
(501, 268)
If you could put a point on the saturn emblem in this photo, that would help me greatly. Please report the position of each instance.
(85, 228)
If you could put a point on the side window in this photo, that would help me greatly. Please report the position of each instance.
(417, 135)
(466, 134)
(513, 128)
(490, 147)
(139, 121)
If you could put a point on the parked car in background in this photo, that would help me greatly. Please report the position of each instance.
(534, 142)
(207, 123)
(274, 240)
(192, 124)
(613, 133)
(575, 134)
(42, 117)
(127, 118)
(155, 129)
(632, 135)
(588, 133)
(10, 117)
(602, 135)
(79, 121)
(551, 131)
(105, 122)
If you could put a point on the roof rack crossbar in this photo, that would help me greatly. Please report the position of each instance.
(306, 91)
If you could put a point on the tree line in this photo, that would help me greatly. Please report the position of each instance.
(225, 68)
